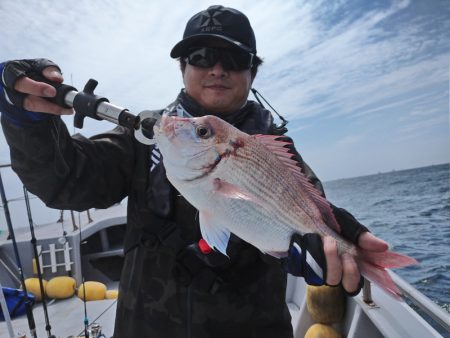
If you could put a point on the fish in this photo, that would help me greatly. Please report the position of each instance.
(251, 186)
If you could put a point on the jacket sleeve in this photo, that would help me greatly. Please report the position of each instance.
(74, 173)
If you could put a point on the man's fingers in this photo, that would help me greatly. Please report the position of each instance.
(52, 73)
(28, 86)
(370, 242)
(37, 104)
(334, 266)
(350, 273)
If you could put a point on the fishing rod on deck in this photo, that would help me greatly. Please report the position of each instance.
(28, 304)
(48, 327)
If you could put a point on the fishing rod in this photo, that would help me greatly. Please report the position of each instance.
(87, 104)
(48, 327)
(29, 311)
(63, 240)
(86, 320)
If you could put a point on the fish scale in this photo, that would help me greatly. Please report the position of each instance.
(248, 171)
(249, 186)
(278, 183)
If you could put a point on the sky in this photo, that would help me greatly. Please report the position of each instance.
(364, 84)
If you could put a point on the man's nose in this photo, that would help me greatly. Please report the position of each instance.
(218, 70)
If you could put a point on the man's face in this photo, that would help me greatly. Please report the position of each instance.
(216, 89)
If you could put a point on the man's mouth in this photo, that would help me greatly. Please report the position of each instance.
(217, 86)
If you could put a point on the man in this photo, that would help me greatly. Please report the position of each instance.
(171, 284)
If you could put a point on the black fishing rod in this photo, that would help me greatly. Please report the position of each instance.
(48, 327)
(29, 310)
(86, 320)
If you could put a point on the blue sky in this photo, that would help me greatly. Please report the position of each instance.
(364, 84)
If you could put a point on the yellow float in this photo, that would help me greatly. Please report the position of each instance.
(112, 294)
(32, 285)
(61, 287)
(94, 291)
(325, 304)
(322, 331)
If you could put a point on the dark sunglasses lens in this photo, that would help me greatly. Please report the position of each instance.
(202, 57)
(236, 60)
(230, 59)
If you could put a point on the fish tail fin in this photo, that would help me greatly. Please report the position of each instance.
(373, 266)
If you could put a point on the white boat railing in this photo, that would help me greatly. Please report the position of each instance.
(439, 315)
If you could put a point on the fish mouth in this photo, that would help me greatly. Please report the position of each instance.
(168, 125)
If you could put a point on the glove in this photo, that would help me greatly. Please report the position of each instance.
(306, 259)
(351, 228)
(14, 70)
(11, 101)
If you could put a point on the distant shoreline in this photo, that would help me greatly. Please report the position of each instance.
(385, 172)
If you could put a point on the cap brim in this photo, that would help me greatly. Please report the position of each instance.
(181, 47)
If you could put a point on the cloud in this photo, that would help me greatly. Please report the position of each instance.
(348, 65)
(357, 63)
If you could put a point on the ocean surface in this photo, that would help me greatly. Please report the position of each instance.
(410, 209)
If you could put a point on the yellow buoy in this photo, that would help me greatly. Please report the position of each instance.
(325, 304)
(94, 291)
(322, 331)
(61, 287)
(112, 294)
(32, 285)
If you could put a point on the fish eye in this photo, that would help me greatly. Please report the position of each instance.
(203, 131)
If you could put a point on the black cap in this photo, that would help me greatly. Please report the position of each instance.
(220, 22)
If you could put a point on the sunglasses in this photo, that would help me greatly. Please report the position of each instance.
(231, 59)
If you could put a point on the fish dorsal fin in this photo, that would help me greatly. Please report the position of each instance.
(284, 154)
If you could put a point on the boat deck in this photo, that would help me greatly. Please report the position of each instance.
(67, 318)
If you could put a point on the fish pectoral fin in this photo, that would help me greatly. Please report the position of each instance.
(215, 235)
(233, 191)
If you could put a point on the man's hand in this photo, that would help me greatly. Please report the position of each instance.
(344, 268)
(319, 263)
(24, 92)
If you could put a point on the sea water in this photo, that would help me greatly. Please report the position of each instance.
(410, 209)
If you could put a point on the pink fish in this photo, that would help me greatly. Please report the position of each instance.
(250, 186)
